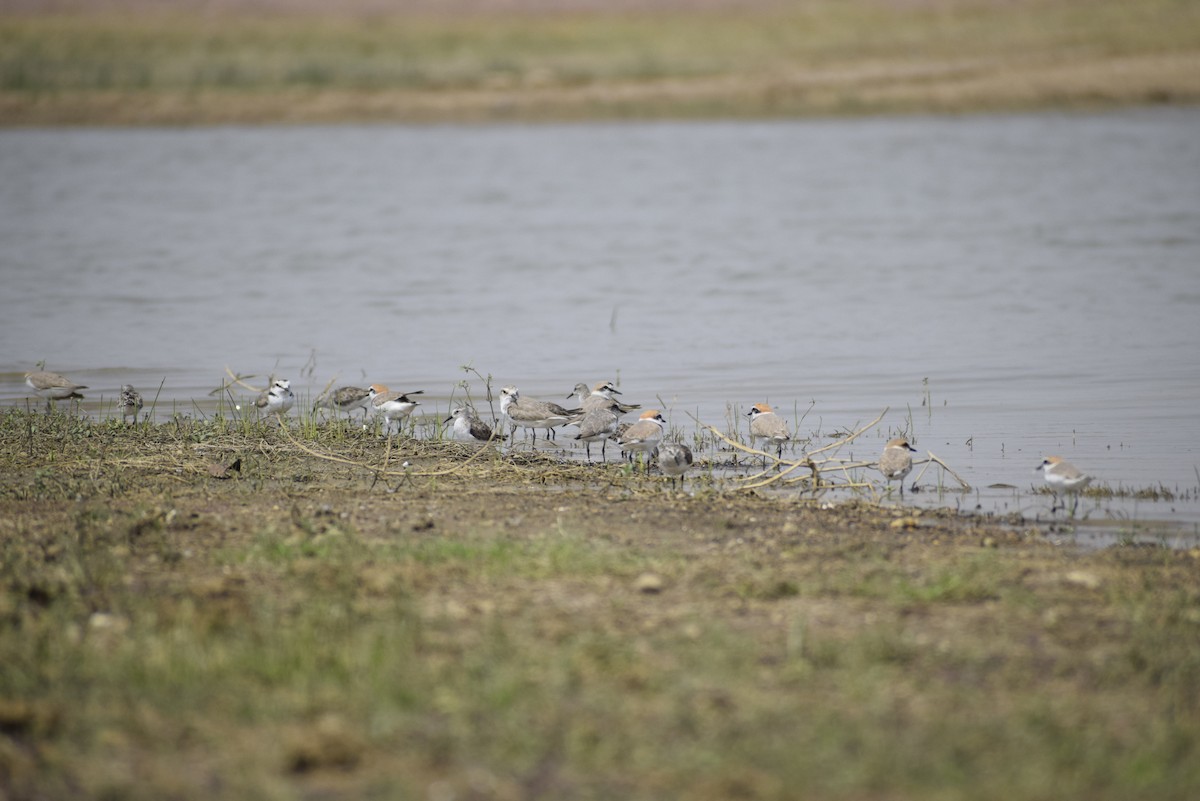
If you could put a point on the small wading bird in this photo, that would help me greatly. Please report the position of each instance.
(347, 399)
(598, 424)
(277, 399)
(53, 387)
(392, 405)
(644, 435)
(533, 414)
(896, 461)
(601, 397)
(467, 426)
(1065, 478)
(769, 427)
(674, 459)
(130, 403)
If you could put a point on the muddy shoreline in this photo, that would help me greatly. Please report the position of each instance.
(189, 606)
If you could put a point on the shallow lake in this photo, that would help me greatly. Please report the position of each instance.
(1008, 286)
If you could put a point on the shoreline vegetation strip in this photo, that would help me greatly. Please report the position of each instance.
(243, 63)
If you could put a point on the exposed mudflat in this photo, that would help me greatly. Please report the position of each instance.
(314, 625)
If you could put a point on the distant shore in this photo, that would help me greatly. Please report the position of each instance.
(139, 63)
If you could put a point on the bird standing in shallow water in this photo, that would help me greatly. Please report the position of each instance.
(896, 461)
(644, 435)
(598, 425)
(767, 426)
(601, 396)
(1063, 477)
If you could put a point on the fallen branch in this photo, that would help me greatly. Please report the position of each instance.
(384, 471)
(935, 460)
(809, 461)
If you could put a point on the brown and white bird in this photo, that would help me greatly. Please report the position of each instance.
(1062, 477)
(768, 427)
(277, 399)
(532, 414)
(599, 424)
(129, 402)
(53, 387)
(896, 461)
(392, 405)
(601, 396)
(468, 427)
(674, 459)
(347, 399)
(644, 435)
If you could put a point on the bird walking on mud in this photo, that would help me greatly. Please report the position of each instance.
(130, 403)
(53, 387)
(674, 459)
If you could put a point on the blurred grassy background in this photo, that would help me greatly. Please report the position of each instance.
(140, 61)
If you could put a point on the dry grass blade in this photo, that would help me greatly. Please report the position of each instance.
(236, 381)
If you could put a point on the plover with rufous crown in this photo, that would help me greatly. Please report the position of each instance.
(129, 402)
(896, 461)
(674, 459)
(392, 405)
(468, 427)
(53, 387)
(1065, 478)
(644, 435)
(768, 427)
(532, 414)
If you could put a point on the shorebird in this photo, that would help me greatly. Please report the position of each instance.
(644, 435)
(533, 414)
(347, 399)
(129, 402)
(1062, 476)
(674, 459)
(392, 405)
(277, 399)
(600, 396)
(53, 387)
(896, 461)
(598, 424)
(767, 426)
(467, 425)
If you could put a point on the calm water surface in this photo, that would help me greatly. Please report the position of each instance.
(1010, 286)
